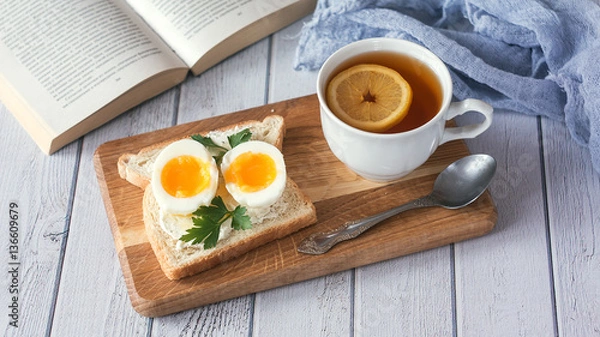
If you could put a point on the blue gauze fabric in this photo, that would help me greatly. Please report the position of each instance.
(534, 57)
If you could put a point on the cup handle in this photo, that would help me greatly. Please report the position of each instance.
(468, 131)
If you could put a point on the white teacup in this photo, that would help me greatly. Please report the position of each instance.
(390, 156)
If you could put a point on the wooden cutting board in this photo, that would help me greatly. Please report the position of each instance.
(338, 194)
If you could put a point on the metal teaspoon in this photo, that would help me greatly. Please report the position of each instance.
(461, 183)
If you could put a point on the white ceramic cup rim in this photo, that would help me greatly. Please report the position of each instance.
(413, 50)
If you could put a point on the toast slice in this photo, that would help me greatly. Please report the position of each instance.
(292, 212)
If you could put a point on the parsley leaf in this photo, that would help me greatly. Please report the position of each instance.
(208, 220)
(240, 137)
(208, 142)
(218, 150)
(204, 230)
(240, 219)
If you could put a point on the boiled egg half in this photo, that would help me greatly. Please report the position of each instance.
(254, 173)
(184, 177)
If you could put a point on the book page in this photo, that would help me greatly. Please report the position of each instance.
(192, 28)
(68, 59)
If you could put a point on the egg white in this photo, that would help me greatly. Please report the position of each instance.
(266, 196)
(182, 206)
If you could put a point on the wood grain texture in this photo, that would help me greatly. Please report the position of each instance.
(316, 307)
(574, 221)
(278, 263)
(408, 296)
(230, 318)
(42, 189)
(503, 287)
(235, 84)
(285, 82)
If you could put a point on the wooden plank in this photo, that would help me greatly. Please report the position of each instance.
(92, 298)
(278, 263)
(502, 279)
(411, 294)
(322, 304)
(235, 84)
(285, 82)
(574, 219)
(41, 187)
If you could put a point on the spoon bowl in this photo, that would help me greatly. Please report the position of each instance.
(464, 181)
(458, 185)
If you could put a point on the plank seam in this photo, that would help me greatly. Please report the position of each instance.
(547, 225)
(176, 104)
(453, 291)
(352, 300)
(251, 315)
(63, 246)
(266, 98)
(150, 325)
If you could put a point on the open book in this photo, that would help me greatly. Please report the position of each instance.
(67, 67)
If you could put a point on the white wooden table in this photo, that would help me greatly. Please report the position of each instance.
(536, 274)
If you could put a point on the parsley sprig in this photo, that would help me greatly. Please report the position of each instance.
(234, 140)
(208, 220)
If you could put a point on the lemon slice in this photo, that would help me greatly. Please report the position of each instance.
(369, 97)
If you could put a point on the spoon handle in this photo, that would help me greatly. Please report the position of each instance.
(320, 243)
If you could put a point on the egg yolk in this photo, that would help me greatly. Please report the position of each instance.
(185, 176)
(251, 172)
